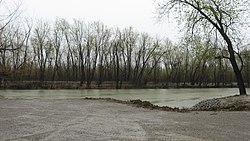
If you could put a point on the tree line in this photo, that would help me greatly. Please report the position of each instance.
(95, 53)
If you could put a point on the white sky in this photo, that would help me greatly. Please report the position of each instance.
(140, 14)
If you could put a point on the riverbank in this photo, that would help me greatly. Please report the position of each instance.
(231, 103)
(103, 85)
(78, 119)
(226, 103)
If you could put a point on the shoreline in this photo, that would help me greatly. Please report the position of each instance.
(33, 85)
(230, 103)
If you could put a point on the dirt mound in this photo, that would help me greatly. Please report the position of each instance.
(141, 104)
(148, 105)
(232, 103)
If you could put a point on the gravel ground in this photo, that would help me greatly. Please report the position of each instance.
(99, 120)
(231, 103)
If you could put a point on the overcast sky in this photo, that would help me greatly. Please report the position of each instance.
(140, 14)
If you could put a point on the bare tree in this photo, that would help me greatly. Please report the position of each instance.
(71, 58)
(80, 43)
(57, 43)
(101, 36)
(6, 18)
(145, 51)
(129, 44)
(42, 46)
(18, 39)
(103, 45)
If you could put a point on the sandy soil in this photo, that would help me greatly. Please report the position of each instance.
(100, 120)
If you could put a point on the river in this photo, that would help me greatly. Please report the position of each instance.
(162, 97)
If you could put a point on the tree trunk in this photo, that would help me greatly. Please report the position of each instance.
(237, 72)
(239, 77)
(236, 69)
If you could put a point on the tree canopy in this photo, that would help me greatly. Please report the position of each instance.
(216, 20)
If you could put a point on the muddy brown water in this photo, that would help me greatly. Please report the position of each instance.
(162, 97)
